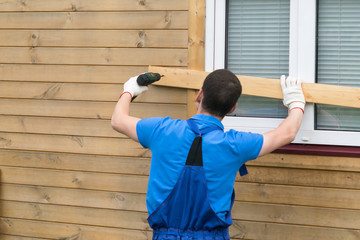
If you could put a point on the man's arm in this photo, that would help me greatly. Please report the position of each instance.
(121, 121)
(286, 132)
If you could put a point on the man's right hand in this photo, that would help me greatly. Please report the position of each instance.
(132, 87)
(292, 92)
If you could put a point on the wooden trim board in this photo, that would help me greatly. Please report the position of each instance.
(196, 46)
(263, 87)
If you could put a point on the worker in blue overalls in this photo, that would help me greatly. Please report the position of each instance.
(194, 162)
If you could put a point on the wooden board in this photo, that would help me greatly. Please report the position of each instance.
(86, 92)
(64, 126)
(196, 48)
(94, 20)
(72, 144)
(74, 197)
(64, 231)
(350, 164)
(299, 215)
(264, 87)
(86, 109)
(75, 162)
(75, 179)
(308, 216)
(94, 38)
(248, 230)
(243, 230)
(68, 73)
(75, 215)
(299, 195)
(9, 237)
(245, 192)
(92, 5)
(301, 177)
(94, 56)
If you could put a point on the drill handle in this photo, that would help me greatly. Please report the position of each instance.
(148, 78)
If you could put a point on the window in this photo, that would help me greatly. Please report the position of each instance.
(316, 41)
(338, 59)
(258, 45)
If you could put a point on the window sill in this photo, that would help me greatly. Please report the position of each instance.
(320, 150)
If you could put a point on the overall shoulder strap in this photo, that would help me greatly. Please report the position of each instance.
(194, 157)
(243, 170)
(195, 153)
(192, 124)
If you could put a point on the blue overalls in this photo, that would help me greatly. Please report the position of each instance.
(186, 213)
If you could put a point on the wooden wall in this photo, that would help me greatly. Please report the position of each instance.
(65, 174)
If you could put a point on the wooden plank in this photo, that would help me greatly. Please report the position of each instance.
(95, 20)
(64, 126)
(246, 230)
(75, 180)
(308, 162)
(264, 87)
(9, 237)
(300, 177)
(74, 197)
(191, 106)
(68, 231)
(75, 162)
(75, 215)
(306, 216)
(94, 38)
(85, 109)
(92, 5)
(86, 92)
(240, 230)
(298, 195)
(94, 56)
(72, 144)
(245, 192)
(68, 73)
(196, 46)
(139, 166)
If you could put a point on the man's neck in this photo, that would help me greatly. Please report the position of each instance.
(199, 111)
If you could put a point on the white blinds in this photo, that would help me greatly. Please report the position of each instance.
(338, 59)
(258, 45)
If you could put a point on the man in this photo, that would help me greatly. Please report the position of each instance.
(194, 162)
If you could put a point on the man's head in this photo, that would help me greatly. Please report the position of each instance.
(221, 91)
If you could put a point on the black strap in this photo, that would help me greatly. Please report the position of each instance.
(194, 157)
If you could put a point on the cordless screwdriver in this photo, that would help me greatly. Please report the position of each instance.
(147, 78)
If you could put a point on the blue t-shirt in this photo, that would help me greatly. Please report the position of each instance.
(223, 154)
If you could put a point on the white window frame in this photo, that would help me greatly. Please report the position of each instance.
(302, 64)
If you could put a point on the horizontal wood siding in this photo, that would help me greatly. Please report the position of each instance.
(65, 174)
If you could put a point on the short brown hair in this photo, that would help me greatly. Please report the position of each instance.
(221, 90)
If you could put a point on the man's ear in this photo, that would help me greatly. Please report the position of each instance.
(199, 96)
(233, 108)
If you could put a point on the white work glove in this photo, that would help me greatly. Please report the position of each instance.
(292, 92)
(133, 87)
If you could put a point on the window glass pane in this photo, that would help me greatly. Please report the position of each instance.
(338, 59)
(258, 45)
